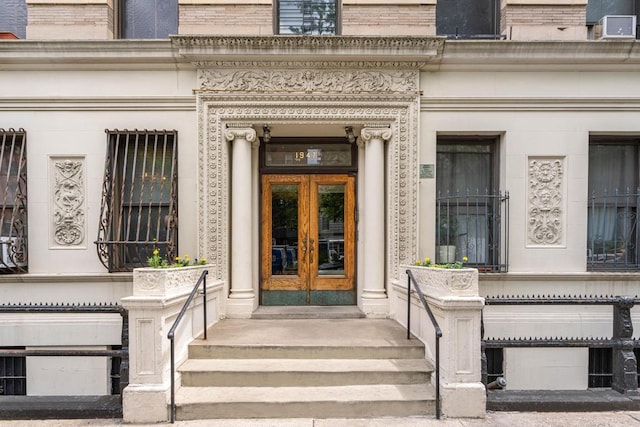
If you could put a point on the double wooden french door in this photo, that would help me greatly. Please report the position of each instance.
(308, 240)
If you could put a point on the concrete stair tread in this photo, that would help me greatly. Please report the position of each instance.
(345, 394)
(305, 365)
(308, 333)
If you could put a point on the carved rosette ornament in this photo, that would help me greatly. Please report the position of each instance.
(68, 215)
(545, 201)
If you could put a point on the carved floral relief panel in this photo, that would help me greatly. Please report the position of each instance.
(545, 204)
(68, 206)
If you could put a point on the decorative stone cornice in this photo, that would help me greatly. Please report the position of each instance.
(408, 49)
(308, 81)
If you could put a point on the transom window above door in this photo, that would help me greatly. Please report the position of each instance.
(307, 17)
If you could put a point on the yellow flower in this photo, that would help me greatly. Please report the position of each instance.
(427, 260)
(156, 252)
(465, 259)
(178, 258)
(203, 260)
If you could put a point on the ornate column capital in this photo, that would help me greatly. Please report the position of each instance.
(375, 131)
(245, 131)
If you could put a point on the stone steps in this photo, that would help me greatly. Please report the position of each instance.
(318, 368)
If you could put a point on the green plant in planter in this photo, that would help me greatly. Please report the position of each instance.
(156, 261)
(427, 263)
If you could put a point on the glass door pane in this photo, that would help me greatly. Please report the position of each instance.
(284, 229)
(331, 229)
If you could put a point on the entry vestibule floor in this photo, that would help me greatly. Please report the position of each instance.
(308, 312)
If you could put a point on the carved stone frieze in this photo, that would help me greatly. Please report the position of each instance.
(545, 213)
(216, 111)
(68, 206)
(308, 81)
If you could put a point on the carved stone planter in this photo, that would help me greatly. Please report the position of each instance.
(161, 282)
(446, 281)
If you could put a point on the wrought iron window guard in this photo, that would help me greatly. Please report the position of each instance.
(13, 192)
(139, 209)
(613, 234)
(476, 224)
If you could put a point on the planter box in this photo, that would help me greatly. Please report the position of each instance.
(446, 281)
(166, 282)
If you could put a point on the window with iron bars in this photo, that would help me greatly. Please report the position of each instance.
(601, 367)
(307, 17)
(13, 193)
(139, 198)
(471, 223)
(13, 374)
(614, 195)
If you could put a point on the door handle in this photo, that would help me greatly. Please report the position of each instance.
(304, 247)
(311, 249)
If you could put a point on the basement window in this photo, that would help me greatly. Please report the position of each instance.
(13, 374)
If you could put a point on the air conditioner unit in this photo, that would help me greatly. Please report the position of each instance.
(616, 27)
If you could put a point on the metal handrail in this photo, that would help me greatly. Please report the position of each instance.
(122, 353)
(434, 322)
(171, 334)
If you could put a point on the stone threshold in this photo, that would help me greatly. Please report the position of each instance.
(308, 312)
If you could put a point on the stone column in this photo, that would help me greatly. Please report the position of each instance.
(242, 298)
(374, 297)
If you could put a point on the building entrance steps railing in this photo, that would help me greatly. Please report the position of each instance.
(624, 363)
(171, 335)
(122, 353)
(438, 332)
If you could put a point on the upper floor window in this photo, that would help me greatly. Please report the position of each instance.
(614, 194)
(596, 9)
(148, 19)
(470, 219)
(468, 19)
(312, 17)
(13, 18)
(13, 194)
(139, 198)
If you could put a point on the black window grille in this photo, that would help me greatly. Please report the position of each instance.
(139, 198)
(13, 374)
(472, 220)
(310, 17)
(601, 366)
(495, 357)
(614, 189)
(13, 193)
(114, 373)
(468, 19)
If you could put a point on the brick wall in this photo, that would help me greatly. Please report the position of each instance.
(387, 19)
(251, 19)
(69, 21)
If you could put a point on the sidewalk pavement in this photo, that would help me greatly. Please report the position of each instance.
(499, 419)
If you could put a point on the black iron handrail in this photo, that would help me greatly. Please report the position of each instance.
(434, 322)
(122, 353)
(172, 331)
